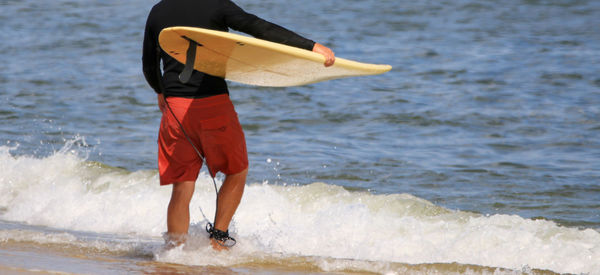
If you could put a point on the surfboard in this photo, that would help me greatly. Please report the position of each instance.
(254, 61)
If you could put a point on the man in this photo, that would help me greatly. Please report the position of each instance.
(199, 121)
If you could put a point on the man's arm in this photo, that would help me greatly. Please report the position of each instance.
(236, 18)
(151, 60)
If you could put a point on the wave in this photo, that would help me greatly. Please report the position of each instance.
(317, 225)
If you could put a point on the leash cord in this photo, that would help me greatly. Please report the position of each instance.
(199, 155)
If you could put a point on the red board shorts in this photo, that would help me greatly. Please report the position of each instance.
(213, 126)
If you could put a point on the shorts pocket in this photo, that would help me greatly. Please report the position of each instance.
(219, 123)
(217, 130)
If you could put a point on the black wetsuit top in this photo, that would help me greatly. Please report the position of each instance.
(211, 14)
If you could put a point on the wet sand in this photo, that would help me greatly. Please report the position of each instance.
(30, 258)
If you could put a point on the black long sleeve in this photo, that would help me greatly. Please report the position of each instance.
(211, 14)
(239, 20)
(151, 61)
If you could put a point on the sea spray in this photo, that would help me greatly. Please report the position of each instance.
(323, 224)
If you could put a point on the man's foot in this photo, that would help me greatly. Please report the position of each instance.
(220, 240)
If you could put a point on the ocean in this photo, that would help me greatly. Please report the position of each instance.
(479, 153)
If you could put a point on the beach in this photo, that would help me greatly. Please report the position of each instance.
(478, 153)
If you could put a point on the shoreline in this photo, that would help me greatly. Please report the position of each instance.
(32, 258)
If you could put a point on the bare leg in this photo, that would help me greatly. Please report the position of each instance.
(178, 213)
(229, 198)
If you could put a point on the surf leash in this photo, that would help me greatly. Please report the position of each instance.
(222, 237)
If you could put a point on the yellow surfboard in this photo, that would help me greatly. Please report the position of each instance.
(254, 61)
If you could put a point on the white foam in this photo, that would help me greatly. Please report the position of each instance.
(65, 192)
(72, 240)
(338, 228)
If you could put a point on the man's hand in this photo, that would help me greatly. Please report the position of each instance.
(326, 52)
(161, 102)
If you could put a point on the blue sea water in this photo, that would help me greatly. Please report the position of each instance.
(492, 107)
